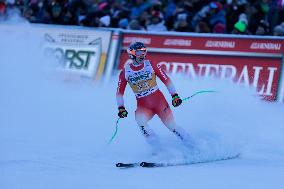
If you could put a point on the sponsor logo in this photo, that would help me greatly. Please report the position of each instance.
(220, 44)
(146, 41)
(71, 58)
(118, 86)
(265, 46)
(67, 38)
(244, 74)
(161, 72)
(79, 54)
(139, 76)
(177, 42)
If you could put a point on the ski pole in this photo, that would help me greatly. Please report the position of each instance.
(115, 132)
(198, 92)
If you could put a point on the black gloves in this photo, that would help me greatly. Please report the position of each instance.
(176, 100)
(122, 113)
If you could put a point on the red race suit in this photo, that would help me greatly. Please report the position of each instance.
(150, 100)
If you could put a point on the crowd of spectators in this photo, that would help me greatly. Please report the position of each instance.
(251, 17)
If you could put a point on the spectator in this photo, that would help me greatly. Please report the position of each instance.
(182, 25)
(202, 27)
(216, 14)
(234, 9)
(210, 14)
(219, 28)
(138, 8)
(134, 25)
(157, 22)
(243, 18)
(28, 14)
(56, 13)
(260, 17)
(120, 18)
(261, 9)
(2, 8)
(104, 9)
(280, 12)
(182, 17)
(144, 19)
(240, 28)
(79, 10)
(123, 23)
(201, 16)
(272, 15)
(171, 8)
(104, 21)
(279, 30)
(262, 28)
(44, 15)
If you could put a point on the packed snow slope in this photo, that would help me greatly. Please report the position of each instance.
(54, 130)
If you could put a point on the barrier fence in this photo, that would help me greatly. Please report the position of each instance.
(250, 60)
(98, 53)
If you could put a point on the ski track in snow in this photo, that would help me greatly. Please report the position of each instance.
(54, 131)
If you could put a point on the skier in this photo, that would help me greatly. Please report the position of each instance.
(141, 74)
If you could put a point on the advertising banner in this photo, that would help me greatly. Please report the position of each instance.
(251, 61)
(207, 42)
(78, 50)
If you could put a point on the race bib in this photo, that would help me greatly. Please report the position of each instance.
(142, 82)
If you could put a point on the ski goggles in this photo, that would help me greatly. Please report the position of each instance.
(141, 52)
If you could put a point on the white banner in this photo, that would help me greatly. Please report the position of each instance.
(79, 50)
(82, 60)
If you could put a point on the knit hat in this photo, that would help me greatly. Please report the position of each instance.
(219, 28)
(243, 18)
(134, 25)
(123, 23)
(240, 26)
(105, 20)
(278, 31)
(264, 7)
(102, 6)
(215, 5)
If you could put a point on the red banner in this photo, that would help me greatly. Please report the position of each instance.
(258, 70)
(207, 43)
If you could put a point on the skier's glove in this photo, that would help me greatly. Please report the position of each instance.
(122, 113)
(176, 100)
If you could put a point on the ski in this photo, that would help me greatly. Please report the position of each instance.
(127, 165)
(152, 164)
(141, 164)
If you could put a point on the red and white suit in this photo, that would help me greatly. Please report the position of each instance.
(150, 100)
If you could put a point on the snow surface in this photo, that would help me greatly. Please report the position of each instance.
(54, 130)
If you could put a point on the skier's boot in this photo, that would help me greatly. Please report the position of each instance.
(184, 137)
(152, 139)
